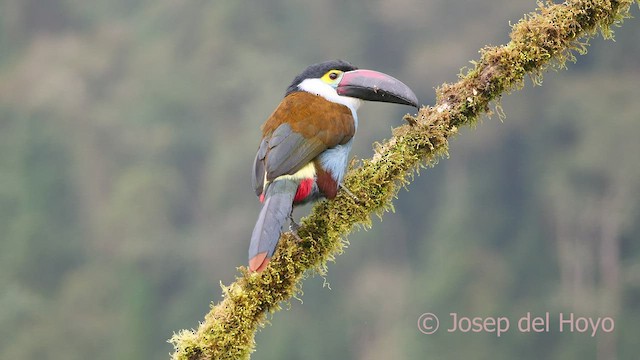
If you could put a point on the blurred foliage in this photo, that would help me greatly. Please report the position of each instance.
(128, 129)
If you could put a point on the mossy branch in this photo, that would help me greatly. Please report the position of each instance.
(542, 39)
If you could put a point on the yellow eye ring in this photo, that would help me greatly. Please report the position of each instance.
(331, 76)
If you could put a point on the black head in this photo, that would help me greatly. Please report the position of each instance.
(318, 70)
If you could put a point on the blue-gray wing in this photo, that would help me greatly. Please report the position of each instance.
(283, 153)
(301, 128)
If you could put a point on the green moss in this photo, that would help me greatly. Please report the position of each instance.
(547, 38)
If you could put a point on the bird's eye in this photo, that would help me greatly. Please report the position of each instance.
(333, 76)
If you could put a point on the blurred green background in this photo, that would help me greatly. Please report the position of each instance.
(127, 134)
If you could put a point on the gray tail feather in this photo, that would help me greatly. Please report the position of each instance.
(278, 203)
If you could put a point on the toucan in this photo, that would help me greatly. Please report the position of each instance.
(304, 151)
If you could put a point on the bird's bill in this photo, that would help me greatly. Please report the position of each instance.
(375, 86)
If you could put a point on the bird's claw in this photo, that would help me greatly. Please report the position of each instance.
(293, 227)
(355, 198)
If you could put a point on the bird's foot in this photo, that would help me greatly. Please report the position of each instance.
(355, 198)
(293, 227)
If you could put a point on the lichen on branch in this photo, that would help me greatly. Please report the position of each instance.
(548, 37)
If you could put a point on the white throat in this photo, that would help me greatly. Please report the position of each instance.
(319, 87)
